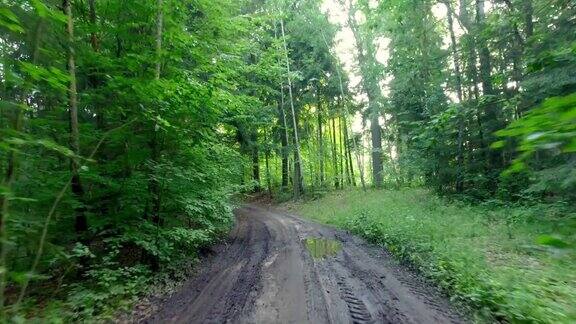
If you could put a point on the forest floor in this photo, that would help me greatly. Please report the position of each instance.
(279, 268)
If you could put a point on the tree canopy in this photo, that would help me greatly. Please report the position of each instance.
(126, 126)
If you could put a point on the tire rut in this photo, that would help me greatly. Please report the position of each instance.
(265, 274)
(356, 307)
(231, 305)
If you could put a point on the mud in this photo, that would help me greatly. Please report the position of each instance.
(321, 247)
(279, 268)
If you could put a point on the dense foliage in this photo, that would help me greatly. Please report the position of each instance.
(125, 126)
(473, 98)
(118, 142)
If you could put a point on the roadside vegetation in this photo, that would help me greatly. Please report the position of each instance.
(127, 125)
(510, 263)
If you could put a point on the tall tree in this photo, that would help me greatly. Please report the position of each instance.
(320, 120)
(80, 220)
(298, 179)
(458, 86)
(369, 71)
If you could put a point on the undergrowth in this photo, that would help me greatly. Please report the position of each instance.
(103, 286)
(514, 264)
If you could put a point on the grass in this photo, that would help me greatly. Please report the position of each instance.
(514, 264)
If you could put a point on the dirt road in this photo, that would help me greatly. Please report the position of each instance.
(278, 268)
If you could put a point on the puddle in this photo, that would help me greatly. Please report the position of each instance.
(321, 247)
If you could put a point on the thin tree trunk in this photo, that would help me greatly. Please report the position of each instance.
(284, 138)
(80, 220)
(267, 162)
(344, 139)
(472, 74)
(334, 155)
(455, 59)
(255, 159)
(349, 153)
(485, 61)
(376, 139)
(284, 141)
(159, 31)
(94, 41)
(458, 75)
(472, 71)
(528, 13)
(356, 148)
(340, 150)
(297, 181)
(155, 187)
(492, 123)
(268, 179)
(393, 166)
(93, 78)
(320, 137)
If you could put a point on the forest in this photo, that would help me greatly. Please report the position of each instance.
(131, 129)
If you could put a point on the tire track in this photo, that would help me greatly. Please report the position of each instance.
(265, 274)
(356, 307)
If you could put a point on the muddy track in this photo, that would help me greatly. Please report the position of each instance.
(265, 273)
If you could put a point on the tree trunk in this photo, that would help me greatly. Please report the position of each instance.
(284, 137)
(255, 159)
(155, 187)
(159, 31)
(491, 117)
(340, 148)
(320, 138)
(376, 138)
(348, 152)
(93, 78)
(284, 141)
(80, 221)
(471, 71)
(297, 181)
(458, 75)
(334, 155)
(267, 161)
(372, 89)
(344, 139)
(528, 13)
(94, 41)
(484, 52)
(342, 94)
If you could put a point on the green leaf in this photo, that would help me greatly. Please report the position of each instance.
(9, 20)
(5, 105)
(40, 7)
(570, 147)
(46, 12)
(552, 241)
(53, 76)
(498, 144)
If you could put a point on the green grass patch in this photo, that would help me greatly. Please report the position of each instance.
(514, 264)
